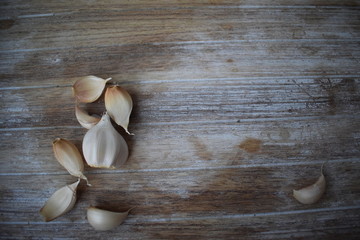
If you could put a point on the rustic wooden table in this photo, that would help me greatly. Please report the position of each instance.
(236, 104)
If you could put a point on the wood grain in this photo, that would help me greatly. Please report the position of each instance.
(236, 103)
(171, 62)
(207, 145)
(318, 225)
(177, 25)
(203, 193)
(37, 8)
(167, 102)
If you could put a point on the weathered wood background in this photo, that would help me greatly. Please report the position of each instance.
(236, 104)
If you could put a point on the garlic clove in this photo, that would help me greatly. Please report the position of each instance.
(103, 220)
(119, 105)
(85, 119)
(61, 202)
(103, 146)
(69, 157)
(311, 194)
(89, 89)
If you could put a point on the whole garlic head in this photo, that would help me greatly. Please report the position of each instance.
(103, 146)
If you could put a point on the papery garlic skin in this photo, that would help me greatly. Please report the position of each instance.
(69, 157)
(103, 220)
(85, 119)
(61, 202)
(312, 193)
(89, 89)
(103, 146)
(119, 105)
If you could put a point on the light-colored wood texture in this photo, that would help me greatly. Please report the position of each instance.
(236, 103)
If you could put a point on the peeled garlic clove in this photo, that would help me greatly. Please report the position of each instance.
(103, 146)
(85, 119)
(103, 220)
(312, 193)
(89, 89)
(62, 201)
(119, 105)
(69, 157)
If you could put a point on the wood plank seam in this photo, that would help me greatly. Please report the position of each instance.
(40, 15)
(183, 80)
(247, 120)
(299, 163)
(183, 43)
(223, 216)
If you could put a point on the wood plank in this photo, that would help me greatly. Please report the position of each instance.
(37, 8)
(197, 145)
(110, 27)
(185, 194)
(177, 101)
(171, 61)
(207, 138)
(323, 224)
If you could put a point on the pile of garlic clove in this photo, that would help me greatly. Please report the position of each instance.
(103, 147)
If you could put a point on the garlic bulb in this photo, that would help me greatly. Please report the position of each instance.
(312, 193)
(85, 119)
(89, 89)
(62, 201)
(103, 146)
(103, 220)
(119, 105)
(69, 157)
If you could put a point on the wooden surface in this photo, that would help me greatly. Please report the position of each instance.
(236, 104)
